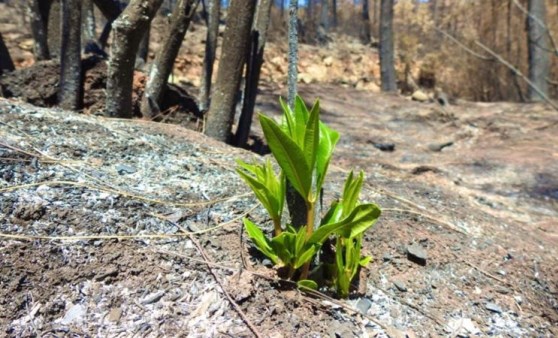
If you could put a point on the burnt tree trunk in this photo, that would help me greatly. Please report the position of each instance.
(128, 30)
(111, 10)
(143, 49)
(6, 63)
(365, 36)
(38, 13)
(236, 42)
(209, 56)
(164, 60)
(253, 69)
(53, 28)
(88, 21)
(323, 26)
(334, 11)
(538, 44)
(69, 94)
(387, 67)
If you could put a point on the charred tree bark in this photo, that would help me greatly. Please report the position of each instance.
(366, 36)
(334, 11)
(111, 10)
(143, 49)
(88, 21)
(387, 67)
(323, 26)
(69, 95)
(539, 45)
(236, 41)
(164, 60)
(38, 13)
(6, 63)
(128, 31)
(53, 28)
(253, 69)
(209, 56)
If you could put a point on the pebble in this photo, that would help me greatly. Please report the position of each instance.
(153, 298)
(493, 307)
(384, 146)
(114, 314)
(124, 169)
(400, 286)
(267, 263)
(417, 254)
(387, 257)
(363, 305)
(76, 314)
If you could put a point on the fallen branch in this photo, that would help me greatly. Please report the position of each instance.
(460, 44)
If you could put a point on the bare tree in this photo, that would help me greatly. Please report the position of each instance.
(53, 28)
(334, 11)
(236, 41)
(292, 75)
(38, 13)
(164, 60)
(128, 30)
(209, 56)
(323, 25)
(69, 94)
(143, 49)
(88, 21)
(111, 10)
(253, 68)
(539, 45)
(365, 36)
(6, 63)
(387, 67)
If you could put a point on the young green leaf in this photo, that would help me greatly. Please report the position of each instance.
(289, 156)
(261, 241)
(361, 218)
(307, 284)
(311, 136)
(327, 141)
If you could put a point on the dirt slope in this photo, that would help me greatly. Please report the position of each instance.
(484, 210)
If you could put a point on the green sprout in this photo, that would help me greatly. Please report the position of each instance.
(302, 146)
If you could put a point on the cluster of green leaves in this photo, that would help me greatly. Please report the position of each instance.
(302, 146)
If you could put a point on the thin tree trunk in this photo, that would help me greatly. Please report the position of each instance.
(209, 56)
(365, 35)
(69, 95)
(38, 12)
(111, 10)
(295, 203)
(143, 49)
(164, 60)
(334, 11)
(53, 28)
(88, 21)
(253, 69)
(323, 26)
(128, 31)
(236, 41)
(387, 68)
(509, 52)
(538, 44)
(6, 63)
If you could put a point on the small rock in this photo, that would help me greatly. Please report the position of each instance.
(76, 314)
(387, 257)
(153, 298)
(114, 314)
(493, 307)
(267, 263)
(417, 254)
(420, 96)
(124, 169)
(439, 146)
(400, 286)
(328, 61)
(109, 272)
(363, 305)
(384, 146)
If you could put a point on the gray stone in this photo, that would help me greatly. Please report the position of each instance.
(153, 298)
(417, 254)
(400, 286)
(124, 169)
(363, 305)
(76, 314)
(387, 257)
(493, 307)
(268, 263)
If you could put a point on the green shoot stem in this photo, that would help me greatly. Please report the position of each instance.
(277, 226)
(309, 230)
